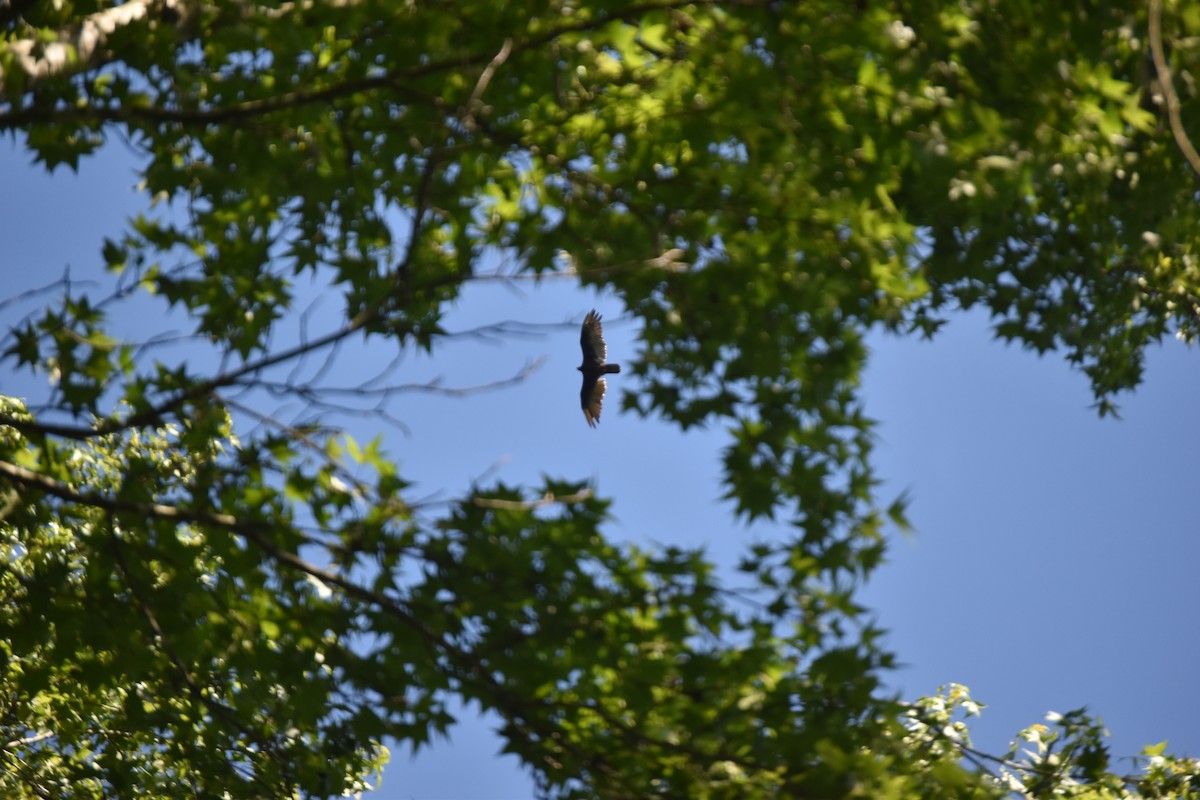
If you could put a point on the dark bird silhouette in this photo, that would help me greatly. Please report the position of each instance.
(591, 339)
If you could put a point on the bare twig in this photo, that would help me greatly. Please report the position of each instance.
(194, 392)
(306, 441)
(28, 294)
(432, 387)
(495, 330)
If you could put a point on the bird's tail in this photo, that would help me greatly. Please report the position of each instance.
(611, 368)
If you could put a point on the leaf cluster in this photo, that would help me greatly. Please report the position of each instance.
(761, 183)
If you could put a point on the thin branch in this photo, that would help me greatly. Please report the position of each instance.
(473, 102)
(330, 357)
(194, 392)
(312, 393)
(306, 441)
(494, 330)
(28, 740)
(28, 294)
(1168, 87)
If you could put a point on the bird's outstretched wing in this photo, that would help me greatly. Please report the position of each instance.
(591, 339)
(595, 353)
(592, 398)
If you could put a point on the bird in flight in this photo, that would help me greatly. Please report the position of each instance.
(591, 339)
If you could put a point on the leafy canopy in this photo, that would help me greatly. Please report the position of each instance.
(191, 610)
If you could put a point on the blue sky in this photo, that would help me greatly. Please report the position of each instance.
(1054, 562)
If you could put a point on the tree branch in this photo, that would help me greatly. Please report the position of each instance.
(90, 48)
(311, 393)
(83, 46)
(28, 740)
(1168, 87)
(529, 717)
(196, 391)
(474, 101)
(253, 532)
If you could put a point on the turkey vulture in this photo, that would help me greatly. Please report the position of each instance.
(591, 339)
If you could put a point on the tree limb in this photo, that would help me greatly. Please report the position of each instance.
(194, 392)
(54, 62)
(28, 740)
(474, 101)
(83, 46)
(1168, 87)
